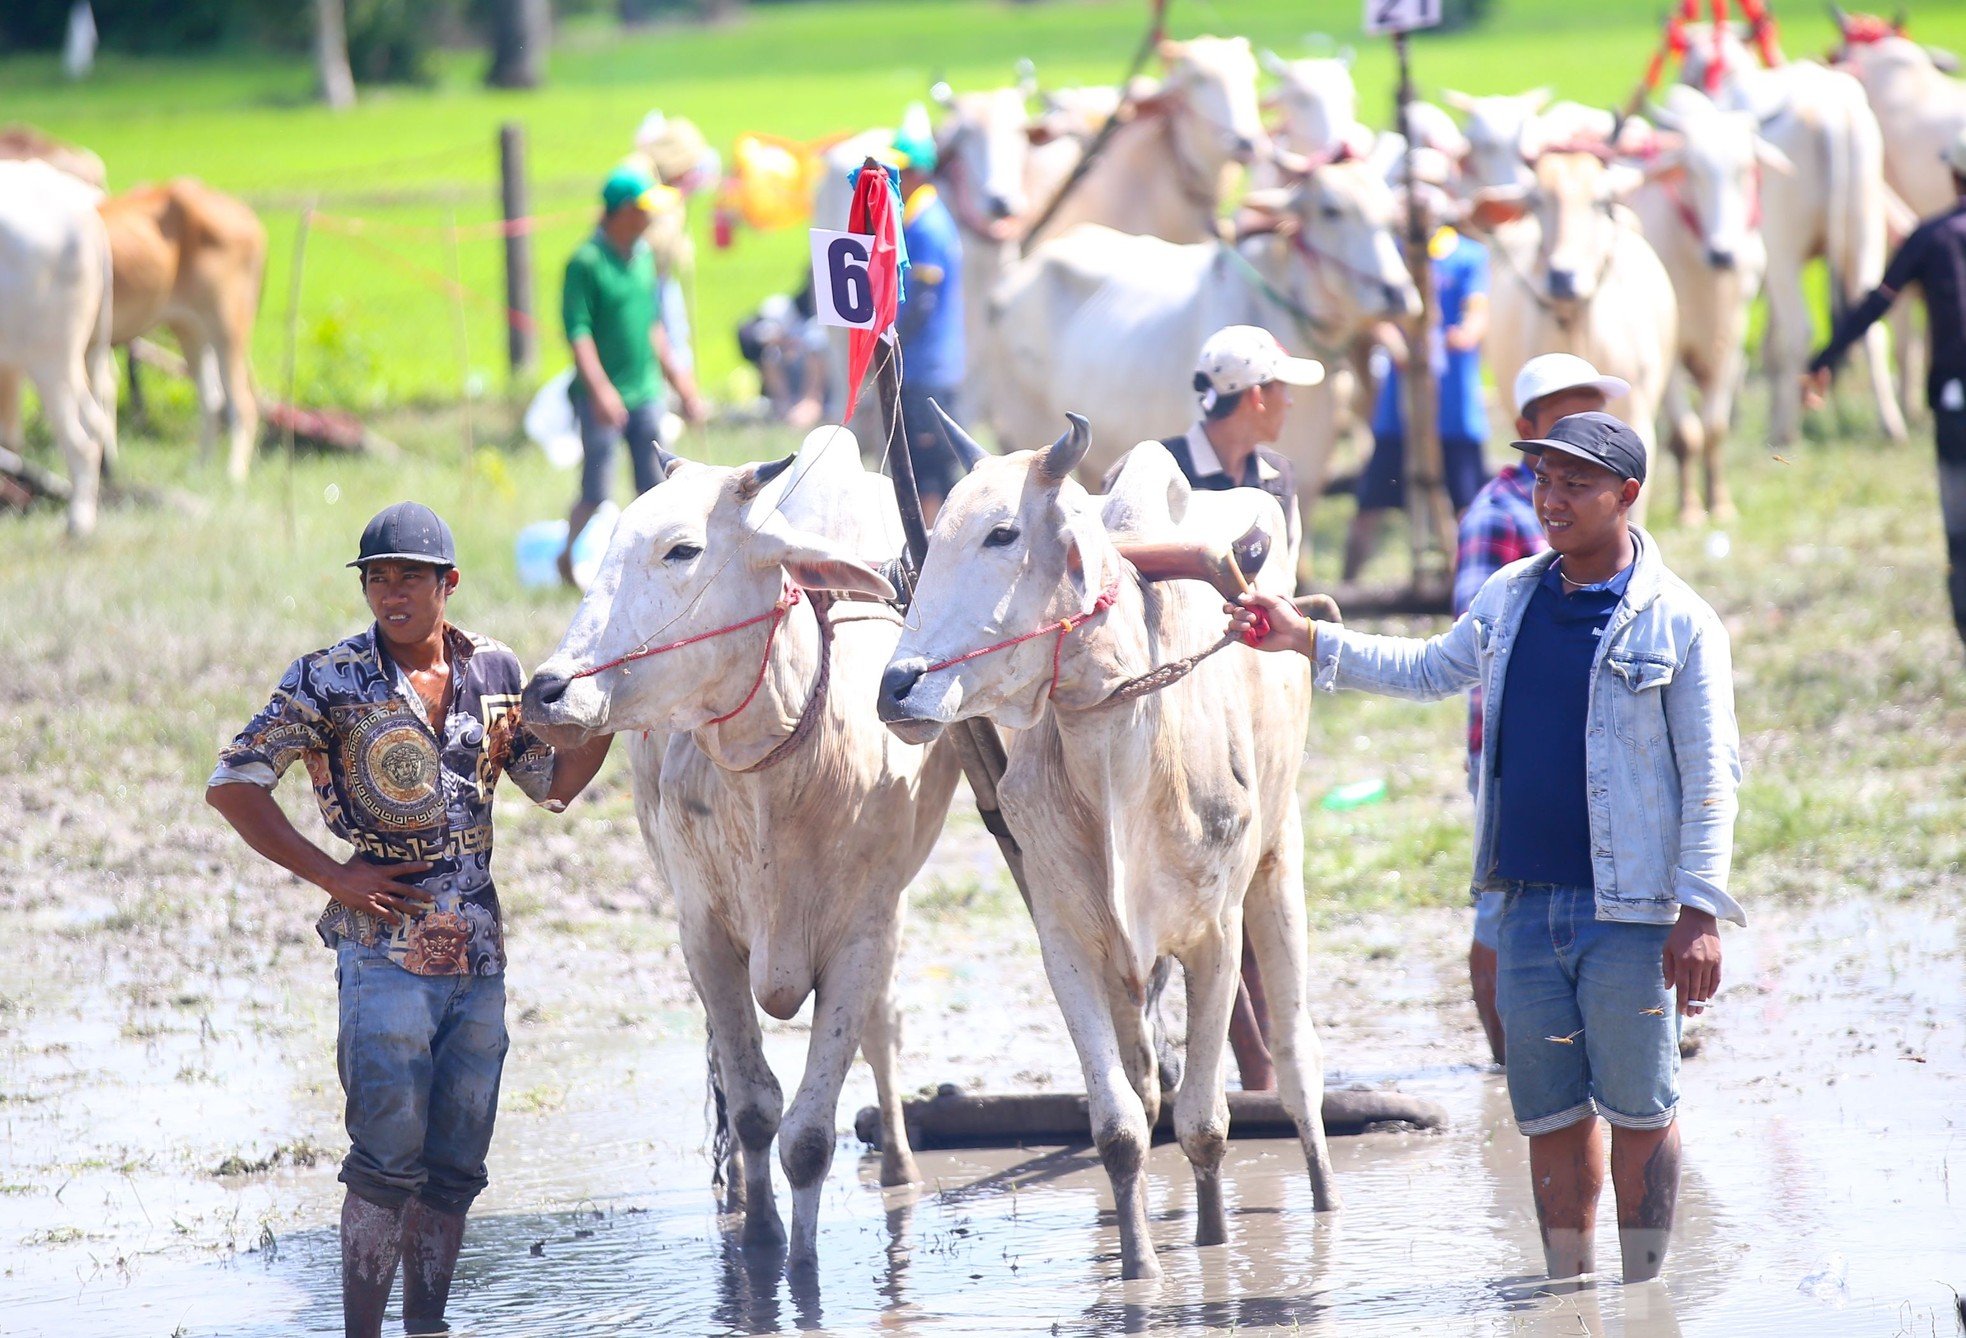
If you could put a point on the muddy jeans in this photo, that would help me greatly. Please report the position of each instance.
(420, 1058)
(1949, 426)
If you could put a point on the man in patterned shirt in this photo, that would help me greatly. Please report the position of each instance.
(404, 729)
(1499, 527)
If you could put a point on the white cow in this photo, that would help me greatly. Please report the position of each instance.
(1833, 205)
(55, 300)
(1151, 827)
(1506, 134)
(1701, 211)
(1920, 107)
(784, 820)
(1112, 324)
(1166, 171)
(1573, 275)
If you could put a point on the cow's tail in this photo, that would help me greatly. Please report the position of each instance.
(719, 1117)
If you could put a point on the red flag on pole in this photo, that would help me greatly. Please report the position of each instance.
(873, 214)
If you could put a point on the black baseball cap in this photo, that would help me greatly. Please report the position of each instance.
(1598, 438)
(407, 532)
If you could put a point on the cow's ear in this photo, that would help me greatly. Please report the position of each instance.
(1493, 207)
(1459, 101)
(815, 563)
(1087, 552)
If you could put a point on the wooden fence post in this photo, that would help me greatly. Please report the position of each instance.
(519, 343)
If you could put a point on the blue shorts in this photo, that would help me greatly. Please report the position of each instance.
(1488, 920)
(597, 441)
(420, 1058)
(1590, 1025)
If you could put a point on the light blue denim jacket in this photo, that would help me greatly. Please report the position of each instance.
(1662, 758)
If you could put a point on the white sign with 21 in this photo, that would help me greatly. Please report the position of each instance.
(1401, 16)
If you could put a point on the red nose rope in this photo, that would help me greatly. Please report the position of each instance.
(1152, 681)
(775, 615)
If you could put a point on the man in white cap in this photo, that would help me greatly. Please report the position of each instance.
(1934, 258)
(1242, 381)
(1500, 527)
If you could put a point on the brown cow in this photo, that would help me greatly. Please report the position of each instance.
(190, 258)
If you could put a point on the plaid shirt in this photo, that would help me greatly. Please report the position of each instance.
(1499, 527)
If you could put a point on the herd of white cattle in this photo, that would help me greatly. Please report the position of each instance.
(1639, 243)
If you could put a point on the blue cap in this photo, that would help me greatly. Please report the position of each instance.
(1598, 438)
(407, 532)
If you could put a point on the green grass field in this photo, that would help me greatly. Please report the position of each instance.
(376, 324)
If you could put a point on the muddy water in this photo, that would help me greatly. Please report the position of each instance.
(1819, 1125)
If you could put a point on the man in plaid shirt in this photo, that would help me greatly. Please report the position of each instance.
(1499, 527)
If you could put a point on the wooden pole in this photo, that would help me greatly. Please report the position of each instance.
(520, 351)
(293, 335)
(979, 748)
(1430, 517)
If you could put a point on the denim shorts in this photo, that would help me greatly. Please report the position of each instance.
(1589, 1022)
(597, 441)
(420, 1058)
(1488, 920)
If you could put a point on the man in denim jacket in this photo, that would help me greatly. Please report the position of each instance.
(1604, 811)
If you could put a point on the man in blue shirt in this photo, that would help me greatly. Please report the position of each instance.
(1604, 812)
(1499, 527)
(929, 319)
(1454, 348)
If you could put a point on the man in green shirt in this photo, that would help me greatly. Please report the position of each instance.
(621, 352)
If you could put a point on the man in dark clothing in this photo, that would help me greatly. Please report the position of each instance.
(1934, 257)
(404, 729)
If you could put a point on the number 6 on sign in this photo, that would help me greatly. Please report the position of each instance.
(839, 278)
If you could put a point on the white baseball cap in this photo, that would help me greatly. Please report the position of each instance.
(1237, 357)
(1955, 153)
(1548, 373)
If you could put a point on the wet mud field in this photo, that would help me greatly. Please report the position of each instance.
(170, 1134)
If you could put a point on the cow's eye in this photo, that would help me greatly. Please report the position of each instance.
(683, 552)
(1330, 212)
(1000, 536)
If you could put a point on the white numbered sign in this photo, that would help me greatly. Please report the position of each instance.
(842, 294)
(1401, 16)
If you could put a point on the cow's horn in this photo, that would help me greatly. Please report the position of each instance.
(1841, 19)
(955, 438)
(1063, 455)
(757, 476)
(664, 463)
(1899, 19)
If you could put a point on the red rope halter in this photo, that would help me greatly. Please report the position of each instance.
(775, 615)
(1070, 623)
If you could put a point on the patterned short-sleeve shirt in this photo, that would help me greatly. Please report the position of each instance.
(391, 787)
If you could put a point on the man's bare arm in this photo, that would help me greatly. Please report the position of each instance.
(373, 889)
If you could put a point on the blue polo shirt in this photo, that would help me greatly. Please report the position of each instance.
(1543, 824)
(930, 315)
(1460, 273)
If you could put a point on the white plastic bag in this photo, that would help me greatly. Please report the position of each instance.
(551, 423)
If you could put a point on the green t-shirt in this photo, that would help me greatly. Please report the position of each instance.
(613, 300)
